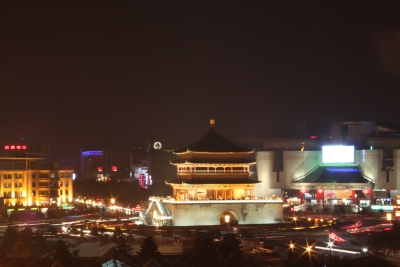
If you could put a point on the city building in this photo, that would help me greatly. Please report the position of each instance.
(335, 164)
(92, 164)
(213, 186)
(120, 163)
(25, 179)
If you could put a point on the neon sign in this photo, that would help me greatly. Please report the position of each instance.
(14, 147)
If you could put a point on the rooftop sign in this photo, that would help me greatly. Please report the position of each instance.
(338, 154)
(14, 147)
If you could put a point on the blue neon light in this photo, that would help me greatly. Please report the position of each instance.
(343, 169)
(92, 153)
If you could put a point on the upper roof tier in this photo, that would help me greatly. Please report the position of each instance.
(213, 142)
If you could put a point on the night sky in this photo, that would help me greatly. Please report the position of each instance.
(92, 73)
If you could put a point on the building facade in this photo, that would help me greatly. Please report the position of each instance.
(120, 163)
(347, 163)
(213, 185)
(25, 179)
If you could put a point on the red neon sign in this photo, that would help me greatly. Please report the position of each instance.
(99, 169)
(14, 147)
(114, 168)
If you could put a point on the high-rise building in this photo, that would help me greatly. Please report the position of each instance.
(25, 179)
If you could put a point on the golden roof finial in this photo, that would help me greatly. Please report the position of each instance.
(212, 123)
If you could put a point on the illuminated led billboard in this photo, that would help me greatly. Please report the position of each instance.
(337, 154)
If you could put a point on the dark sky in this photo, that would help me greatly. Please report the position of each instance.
(78, 73)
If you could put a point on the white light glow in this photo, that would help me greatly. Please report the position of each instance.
(337, 154)
(338, 250)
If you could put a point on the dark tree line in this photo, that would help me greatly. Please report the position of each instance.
(205, 252)
(21, 247)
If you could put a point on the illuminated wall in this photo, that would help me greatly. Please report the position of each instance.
(266, 175)
(210, 212)
(370, 162)
(299, 163)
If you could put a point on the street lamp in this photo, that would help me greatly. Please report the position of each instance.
(365, 250)
(330, 245)
(162, 218)
(292, 249)
(389, 218)
(295, 221)
(227, 219)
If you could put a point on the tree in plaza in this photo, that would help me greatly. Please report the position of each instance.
(26, 233)
(123, 246)
(203, 252)
(9, 238)
(21, 248)
(149, 249)
(62, 253)
(230, 248)
(38, 244)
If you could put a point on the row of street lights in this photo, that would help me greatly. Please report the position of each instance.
(309, 249)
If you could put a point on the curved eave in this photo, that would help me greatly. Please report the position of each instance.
(190, 183)
(188, 151)
(212, 163)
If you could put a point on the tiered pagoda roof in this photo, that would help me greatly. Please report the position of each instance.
(213, 180)
(212, 160)
(213, 142)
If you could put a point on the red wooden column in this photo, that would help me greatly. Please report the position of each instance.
(371, 196)
(320, 196)
(353, 196)
(301, 195)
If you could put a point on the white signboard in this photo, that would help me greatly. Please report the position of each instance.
(337, 154)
